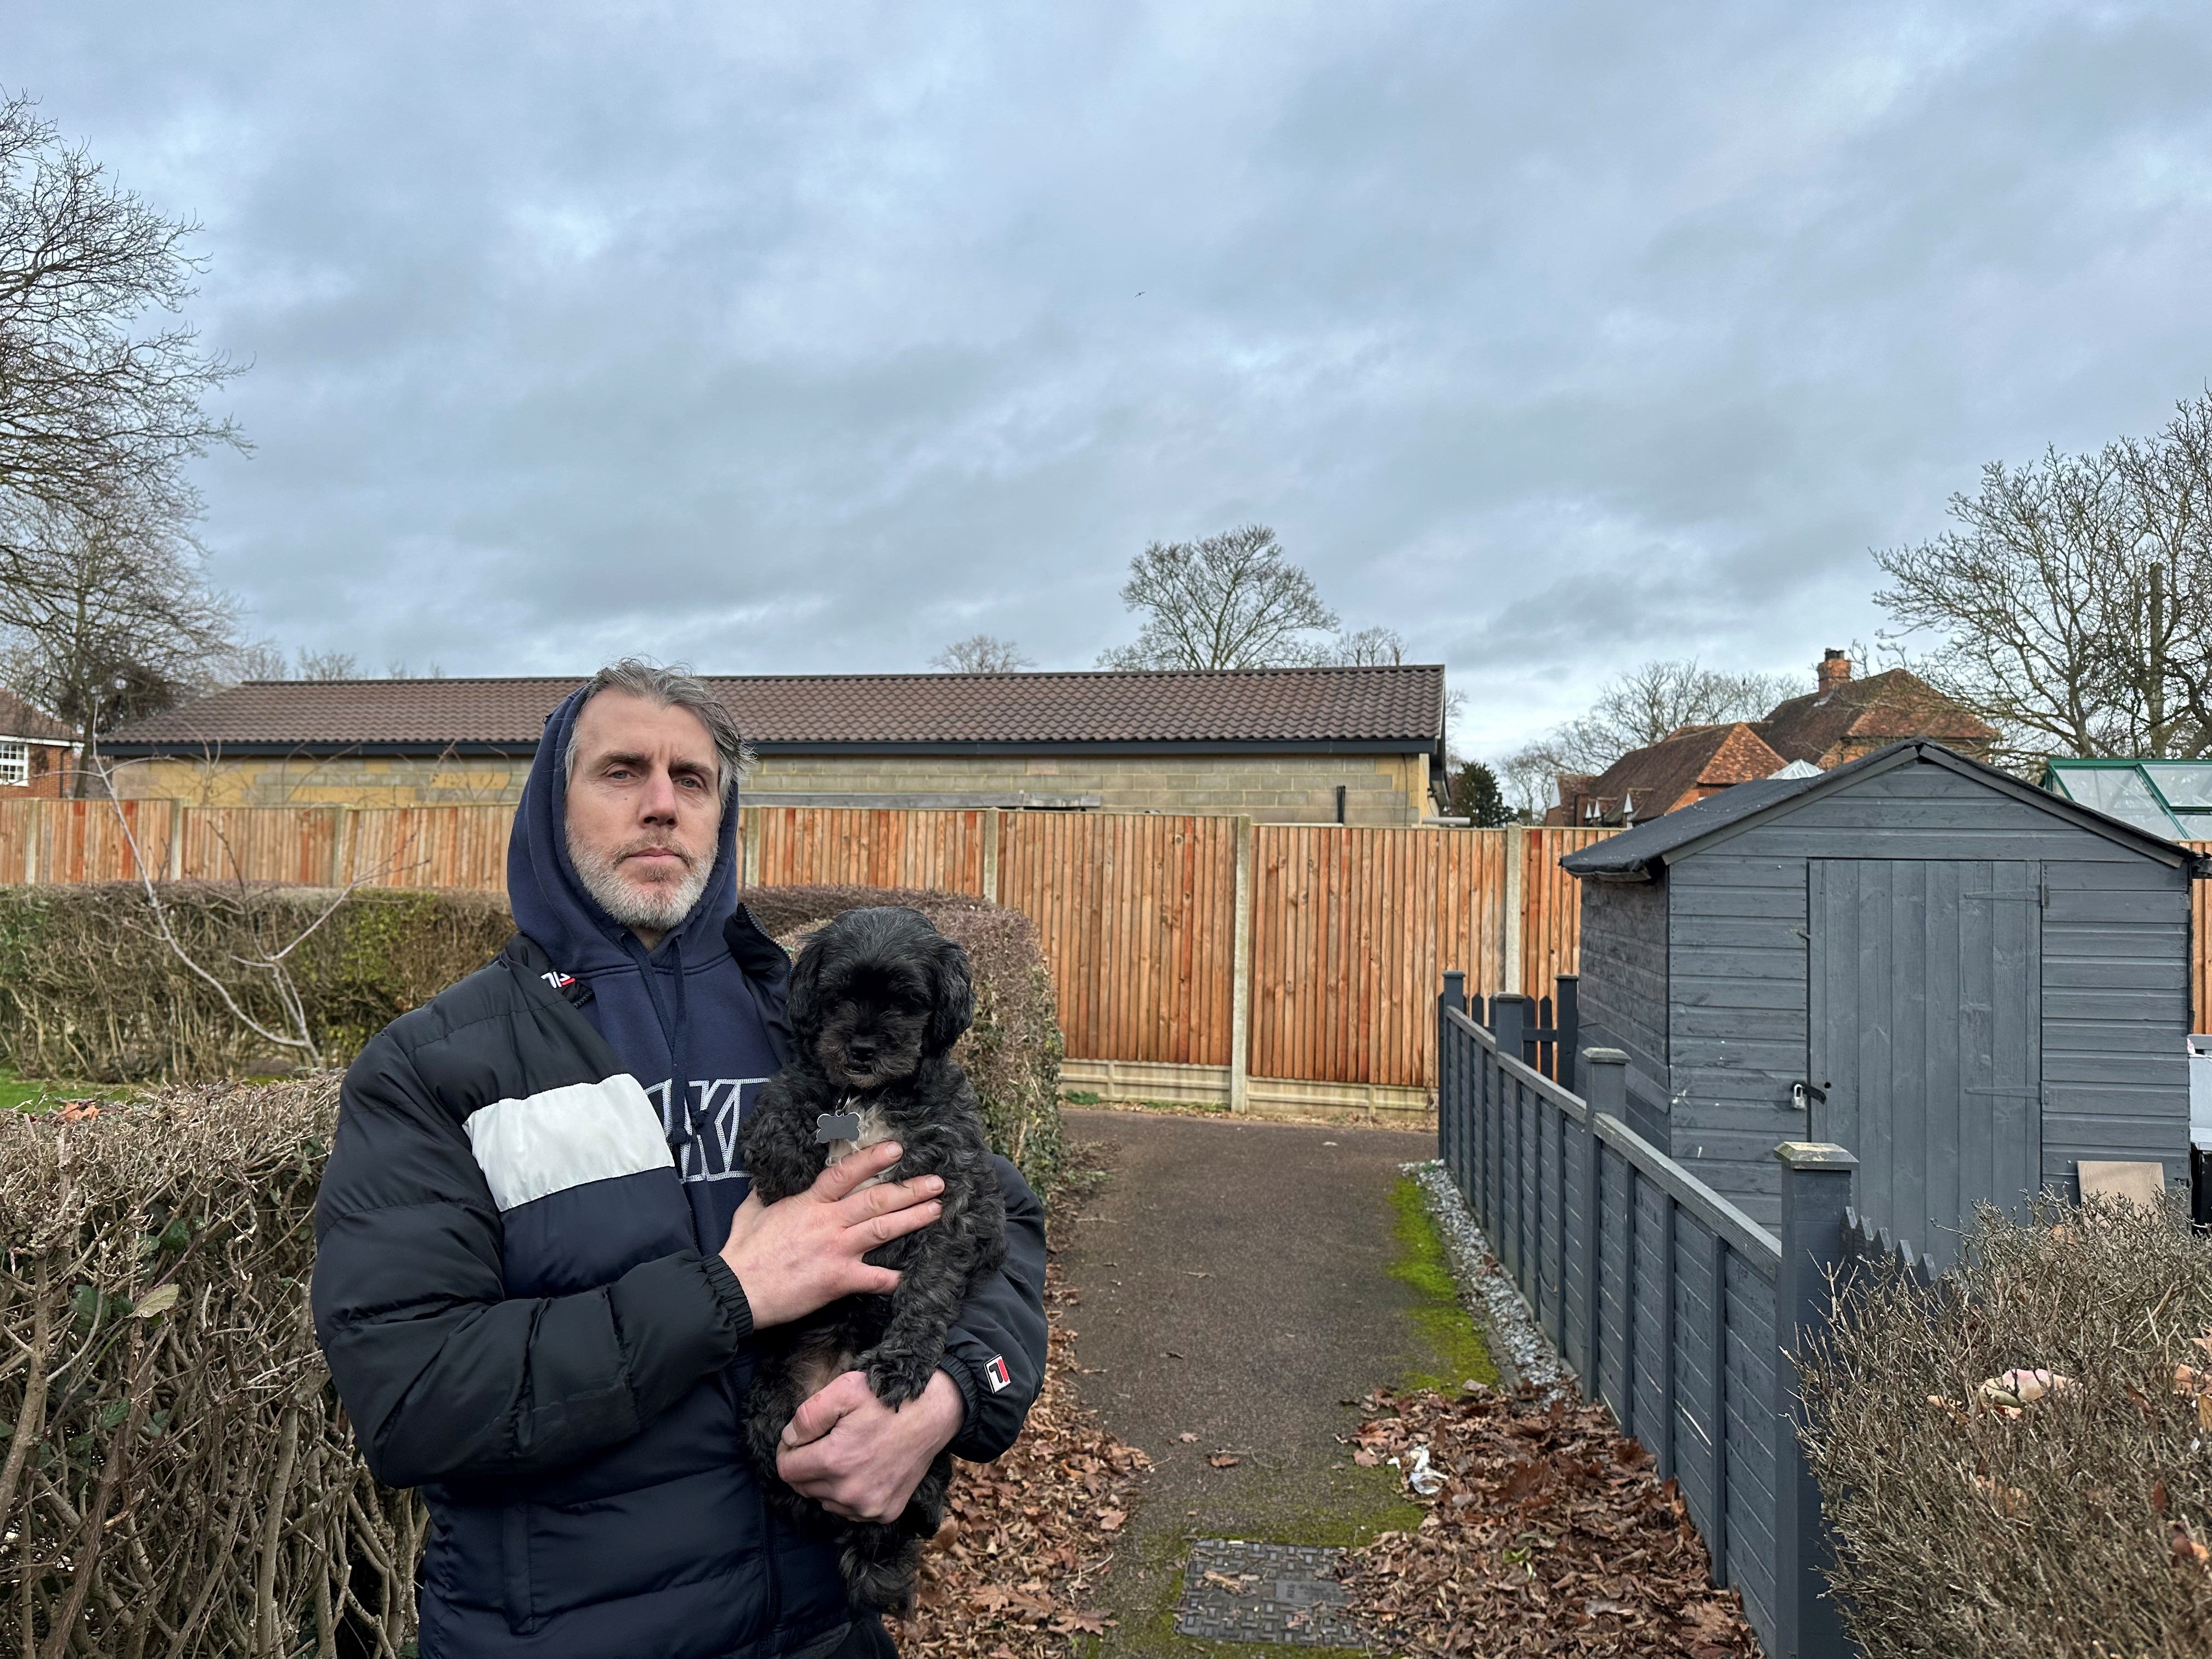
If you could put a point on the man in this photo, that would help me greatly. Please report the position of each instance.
(539, 1267)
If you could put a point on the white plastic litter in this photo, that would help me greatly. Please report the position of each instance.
(1421, 1478)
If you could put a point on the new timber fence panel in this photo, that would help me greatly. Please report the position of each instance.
(1551, 908)
(1351, 929)
(868, 846)
(463, 847)
(1677, 1310)
(295, 845)
(83, 840)
(1137, 918)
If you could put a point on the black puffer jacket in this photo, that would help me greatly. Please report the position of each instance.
(522, 1321)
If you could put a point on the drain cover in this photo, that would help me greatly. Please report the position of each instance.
(1233, 1591)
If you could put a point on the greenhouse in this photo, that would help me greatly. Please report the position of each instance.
(2172, 799)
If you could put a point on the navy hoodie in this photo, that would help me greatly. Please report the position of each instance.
(685, 1010)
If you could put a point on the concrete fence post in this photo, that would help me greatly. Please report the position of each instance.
(1816, 1192)
(1512, 921)
(1240, 984)
(1605, 1091)
(991, 818)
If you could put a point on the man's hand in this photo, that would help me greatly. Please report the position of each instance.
(859, 1458)
(805, 1252)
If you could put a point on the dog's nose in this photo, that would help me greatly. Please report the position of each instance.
(861, 1048)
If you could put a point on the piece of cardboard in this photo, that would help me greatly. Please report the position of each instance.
(2138, 1183)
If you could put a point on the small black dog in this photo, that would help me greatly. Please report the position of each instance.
(878, 999)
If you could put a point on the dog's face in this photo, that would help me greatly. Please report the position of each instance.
(877, 992)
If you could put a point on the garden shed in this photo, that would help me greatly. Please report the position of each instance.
(1974, 985)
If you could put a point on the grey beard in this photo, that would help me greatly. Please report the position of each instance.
(660, 906)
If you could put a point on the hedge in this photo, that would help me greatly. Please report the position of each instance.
(2077, 1525)
(179, 1479)
(87, 991)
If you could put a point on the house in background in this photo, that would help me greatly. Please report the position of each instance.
(1840, 721)
(37, 753)
(1291, 745)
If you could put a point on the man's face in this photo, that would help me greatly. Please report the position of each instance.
(644, 805)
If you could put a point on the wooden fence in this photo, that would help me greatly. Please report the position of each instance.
(1305, 953)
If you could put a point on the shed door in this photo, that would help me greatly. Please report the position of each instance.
(1925, 980)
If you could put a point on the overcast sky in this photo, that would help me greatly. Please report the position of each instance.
(810, 337)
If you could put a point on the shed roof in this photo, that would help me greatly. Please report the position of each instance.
(1399, 708)
(1636, 852)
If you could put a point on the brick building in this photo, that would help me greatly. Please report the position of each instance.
(37, 753)
(1304, 745)
(1841, 720)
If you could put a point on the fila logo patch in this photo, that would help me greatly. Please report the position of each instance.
(996, 1371)
(558, 980)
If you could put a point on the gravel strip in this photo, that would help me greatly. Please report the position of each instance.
(1523, 1352)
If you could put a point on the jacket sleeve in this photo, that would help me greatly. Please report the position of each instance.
(445, 1377)
(996, 1353)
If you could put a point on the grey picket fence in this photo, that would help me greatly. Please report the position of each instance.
(1674, 1308)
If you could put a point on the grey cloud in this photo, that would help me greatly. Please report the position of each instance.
(811, 339)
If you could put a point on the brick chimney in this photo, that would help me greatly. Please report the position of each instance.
(1835, 669)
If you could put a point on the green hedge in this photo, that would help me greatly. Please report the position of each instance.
(88, 990)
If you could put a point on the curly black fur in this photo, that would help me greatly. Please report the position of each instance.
(878, 999)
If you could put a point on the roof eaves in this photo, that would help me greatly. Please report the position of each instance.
(1906, 752)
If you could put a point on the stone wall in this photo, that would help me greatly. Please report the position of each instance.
(1380, 790)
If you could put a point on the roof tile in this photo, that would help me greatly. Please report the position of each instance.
(1403, 704)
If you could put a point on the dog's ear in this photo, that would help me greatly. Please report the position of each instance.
(952, 1007)
(803, 1003)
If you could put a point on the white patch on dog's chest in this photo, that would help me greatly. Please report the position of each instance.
(872, 1129)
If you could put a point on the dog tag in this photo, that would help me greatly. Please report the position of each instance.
(837, 1126)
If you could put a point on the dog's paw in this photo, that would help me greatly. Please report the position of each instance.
(895, 1378)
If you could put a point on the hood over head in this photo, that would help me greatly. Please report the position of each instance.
(549, 900)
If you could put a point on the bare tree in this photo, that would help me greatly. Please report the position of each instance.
(89, 401)
(1370, 647)
(396, 669)
(982, 653)
(328, 666)
(106, 615)
(1640, 708)
(2073, 600)
(255, 659)
(1226, 601)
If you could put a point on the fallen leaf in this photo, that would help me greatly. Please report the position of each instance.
(1188, 1439)
(1223, 1460)
(2186, 1548)
(1111, 1520)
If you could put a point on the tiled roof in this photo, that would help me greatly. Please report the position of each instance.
(1659, 775)
(1397, 705)
(19, 719)
(1878, 709)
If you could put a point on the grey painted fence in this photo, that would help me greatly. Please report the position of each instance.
(1674, 1308)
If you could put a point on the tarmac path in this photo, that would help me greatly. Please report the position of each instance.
(1234, 1297)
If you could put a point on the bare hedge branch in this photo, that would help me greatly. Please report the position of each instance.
(2073, 1528)
(179, 1478)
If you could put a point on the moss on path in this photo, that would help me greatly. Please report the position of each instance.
(1241, 1287)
